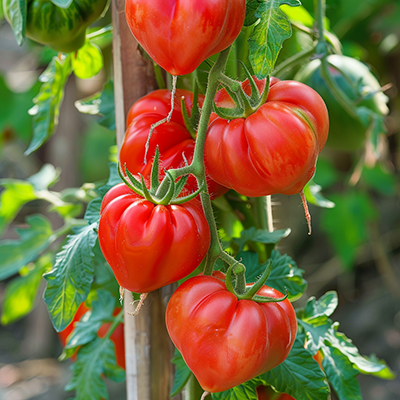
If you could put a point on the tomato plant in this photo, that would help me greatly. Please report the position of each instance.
(172, 138)
(117, 337)
(148, 245)
(226, 341)
(272, 149)
(358, 84)
(179, 35)
(62, 29)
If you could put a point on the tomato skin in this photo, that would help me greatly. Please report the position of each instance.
(179, 35)
(149, 246)
(226, 341)
(346, 132)
(275, 149)
(117, 337)
(172, 138)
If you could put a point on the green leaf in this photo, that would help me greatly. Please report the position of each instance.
(313, 318)
(94, 359)
(16, 11)
(182, 373)
(100, 36)
(373, 121)
(62, 3)
(88, 61)
(93, 210)
(245, 391)
(341, 374)
(21, 293)
(347, 224)
(313, 195)
(366, 365)
(380, 180)
(299, 375)
(86, 329)
(48, 101)
(47, 176)
(101, 103)
(261, 236)
(268, 35)
(324, 307)
(285, 274)
(16, 194)
(68, 284)
(15, 254)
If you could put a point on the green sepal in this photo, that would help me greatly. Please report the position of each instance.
(146, 192)
(154, 183)
(250, 294)
(133, 184)
(171, 189)
(228, 113)
(180, 184)
(181, 200)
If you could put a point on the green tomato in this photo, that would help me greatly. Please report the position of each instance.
(358, 83)
(62, 29)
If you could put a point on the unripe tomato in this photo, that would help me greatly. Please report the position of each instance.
(174, 141)
(355, 79)
(148, 245)
(117, 337)
(62, 29)
(226, 341)
(275, 149)
(179, 35)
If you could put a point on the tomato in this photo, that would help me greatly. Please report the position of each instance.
(226, 341)
(179, 35)
(172, 138)
(275, 149)
(117, 337)
(353, 77)
(147, 245)
(62, 29)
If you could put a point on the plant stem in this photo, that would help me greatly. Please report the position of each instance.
(293, 61)
(117, 320)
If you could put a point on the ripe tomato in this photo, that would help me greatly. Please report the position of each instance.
(147, 245)
(179, 35)
(275, 149)
(226, 341)
(117, 337)
(172, 138)
(354, 78)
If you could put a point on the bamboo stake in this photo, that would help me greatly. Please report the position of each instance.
(147, 344)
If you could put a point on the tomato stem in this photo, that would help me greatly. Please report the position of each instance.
(117, 320)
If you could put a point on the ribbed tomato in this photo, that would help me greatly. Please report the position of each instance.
(148, 245)
(179, 34)
(273, 150)
(172, 138)
(226, 341)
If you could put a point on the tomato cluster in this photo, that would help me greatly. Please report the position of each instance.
(155, 230)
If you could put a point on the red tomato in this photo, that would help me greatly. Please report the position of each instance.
(226, 341)
(179, 35)
(274, 150)
(147, 245)
(117, 337)
(172, 138)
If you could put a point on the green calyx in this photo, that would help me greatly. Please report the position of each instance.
(238, 286)
(245, 104)
(163, 193)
